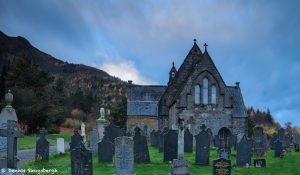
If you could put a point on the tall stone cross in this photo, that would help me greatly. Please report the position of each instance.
(181, 127)
(12, 133)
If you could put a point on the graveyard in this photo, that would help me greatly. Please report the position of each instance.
(149, 87)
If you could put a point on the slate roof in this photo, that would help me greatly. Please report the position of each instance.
(143, 100)
(239, 109)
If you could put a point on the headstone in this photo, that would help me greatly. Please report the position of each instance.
(259, 163)
(60, 145)
(161, 140)
(243, 155)
(278, 148)
(141, 152)
(112, 131)
(221, 167)
(94, 139)
(281, 137)
(211, 137)
(297, 149)
(180, 142)
(124, 155)
(180, 167)
(154, 138)
(83, 132)
(81, 158)
(188, 141)
(101, 124)
(272, 142)
(258, 142)
(289, 142)
(170, 145)
(202, 147)
(105, 151)
(42, 147)
(7, 113)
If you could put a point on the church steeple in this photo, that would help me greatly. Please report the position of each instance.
(172, 73)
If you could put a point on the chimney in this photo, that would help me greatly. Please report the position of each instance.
(130, 82)
(237, 84)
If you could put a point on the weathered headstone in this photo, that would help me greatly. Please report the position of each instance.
(281, 137)
(202, 147)
(188, 141)
(180, 167)
(105, 151)
(258, 142)
(161, 140)
(8, 141)
(81, 158)
(94, 139)
(278, 148)
(221, 167)
(259, 163)
(170, 145)
(243, 155)
(297, 149)
(141, 152)
(83, 132)
(42, 147)
(111, 132)
(124, 155)
(60, 145)
(154, 138)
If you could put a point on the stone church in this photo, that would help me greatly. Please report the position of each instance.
(195, 92)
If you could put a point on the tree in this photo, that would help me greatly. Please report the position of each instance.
(119, 113)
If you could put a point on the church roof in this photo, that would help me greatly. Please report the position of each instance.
(239, 109)
(143, 100)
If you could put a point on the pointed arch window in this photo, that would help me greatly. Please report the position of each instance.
(213, 95)
(205, 91)
(197, 94)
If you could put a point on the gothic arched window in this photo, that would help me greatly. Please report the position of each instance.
(213, 95)
(197, 94)
(205, 91)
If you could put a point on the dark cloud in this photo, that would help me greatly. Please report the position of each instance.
(254, 42)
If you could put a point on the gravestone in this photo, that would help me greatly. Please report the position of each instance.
(202, 147)
(124, 155)
(141, 152)
(289, 142)
(94, 139)
(112, 131)
(281, 137)
(161, 140)
(180, 167)
(8, 113)
(42, 147)
(278, 148)
(154, 138)
(272, 142)
(243, 155)
(297, 149)
(170, 145)
(101, 123)
(259, 163)
(11, 133)
(188, 141)
(60, 145)
(83, 132)
(81, 158)
(105, 151)
(258, 142)
(221, 167)
(211, 137)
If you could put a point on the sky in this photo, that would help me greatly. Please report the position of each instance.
(254, 42)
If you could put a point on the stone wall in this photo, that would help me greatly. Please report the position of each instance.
(239, 126)
(150, 122)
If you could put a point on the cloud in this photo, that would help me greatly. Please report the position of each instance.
(125, 70)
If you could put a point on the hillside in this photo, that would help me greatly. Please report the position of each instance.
(80, 83)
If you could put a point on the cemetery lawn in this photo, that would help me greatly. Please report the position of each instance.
(289, 165)
(28, 142)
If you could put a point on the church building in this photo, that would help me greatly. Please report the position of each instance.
(195, 92)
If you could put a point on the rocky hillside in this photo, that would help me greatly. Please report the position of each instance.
(107, 90)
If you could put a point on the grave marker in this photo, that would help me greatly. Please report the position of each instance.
(170, 145)
(124, 155)
(202, 147)
(243, 156)
(188, 141)
(60, 145)
(221, 167)
(42, 147)
(141, 152)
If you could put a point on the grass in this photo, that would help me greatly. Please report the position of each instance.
(28, 142)
(289, 165)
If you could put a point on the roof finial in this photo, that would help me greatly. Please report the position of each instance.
(205, 45)
(195, 40)
(173, 64)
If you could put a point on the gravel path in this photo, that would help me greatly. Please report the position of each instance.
(29, 155)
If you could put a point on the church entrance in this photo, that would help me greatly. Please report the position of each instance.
(224, 138)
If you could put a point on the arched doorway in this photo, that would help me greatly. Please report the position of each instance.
(224, 139)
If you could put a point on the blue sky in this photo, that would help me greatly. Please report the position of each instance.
(254, 42)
